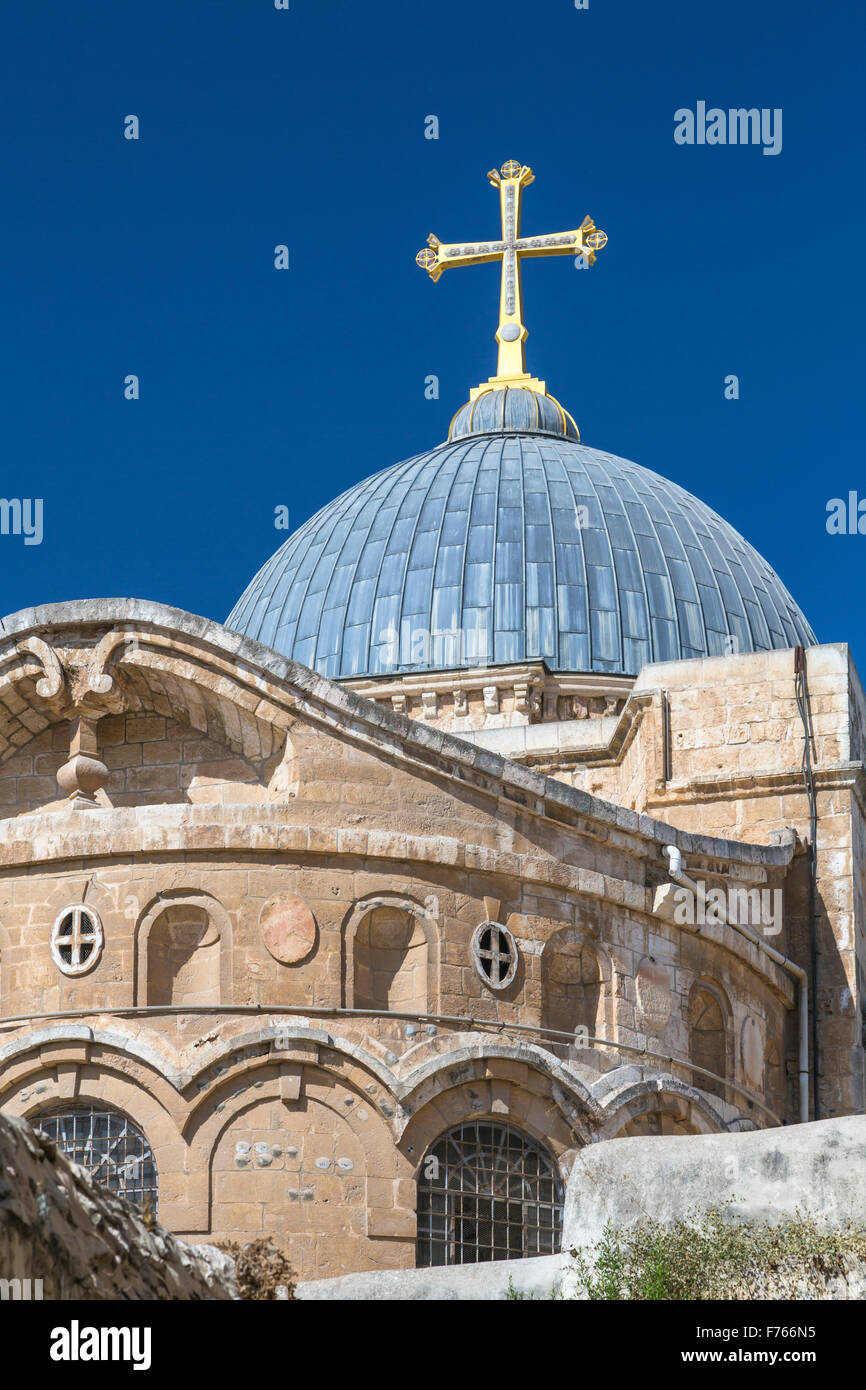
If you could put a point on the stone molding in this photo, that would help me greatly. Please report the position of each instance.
(523, 693)
(585, 1101)
(258, 695)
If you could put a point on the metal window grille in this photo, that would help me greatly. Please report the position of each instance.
(495, 953)
(110, 1147)
(487, 1192)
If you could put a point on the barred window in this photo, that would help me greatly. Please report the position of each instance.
(76, 940)
(487, 1192)
(110, 1147)
(495, 953)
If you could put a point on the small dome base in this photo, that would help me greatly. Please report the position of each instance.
(504, 409)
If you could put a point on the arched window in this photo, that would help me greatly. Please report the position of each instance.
(183, 957)
(391, 961)
(109, 1146)
(487, 1192)
(707, 1039)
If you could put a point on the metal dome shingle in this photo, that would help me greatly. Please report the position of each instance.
(507, 547)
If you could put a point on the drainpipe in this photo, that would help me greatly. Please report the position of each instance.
(801, 687)
(676, 868)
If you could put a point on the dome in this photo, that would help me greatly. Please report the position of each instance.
(513, 408)
(514, 543)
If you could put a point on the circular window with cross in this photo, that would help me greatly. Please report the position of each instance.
(77, 940)
(494, 951)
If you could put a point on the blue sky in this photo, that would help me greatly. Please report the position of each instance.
(262, 388)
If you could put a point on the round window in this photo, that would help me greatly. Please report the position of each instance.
(494, 951)
(77, 940)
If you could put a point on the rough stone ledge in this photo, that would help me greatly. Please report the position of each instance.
(817, 1170)
(535, 1277)
(255, 662)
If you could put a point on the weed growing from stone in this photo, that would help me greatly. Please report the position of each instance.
(713, 1257)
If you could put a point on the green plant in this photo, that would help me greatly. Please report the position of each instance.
(714, 1256)
(515, 1295)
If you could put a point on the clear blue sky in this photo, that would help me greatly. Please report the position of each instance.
(262, 388)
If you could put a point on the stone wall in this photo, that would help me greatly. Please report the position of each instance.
(815, 1170)
(736, 741)
(237, 896)
(65, 1237)
(715, 746)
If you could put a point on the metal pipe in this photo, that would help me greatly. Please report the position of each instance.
(325, 1011)
(801, 691)
(666, 737)
(677, 873)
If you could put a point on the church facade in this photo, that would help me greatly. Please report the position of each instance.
(514, 807)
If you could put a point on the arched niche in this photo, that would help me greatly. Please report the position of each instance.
(709, 1034)
(390, 956)
(184, 953)
(576, 984)
(650, 1112)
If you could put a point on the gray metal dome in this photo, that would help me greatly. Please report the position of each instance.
(513, 409)
(510, 546)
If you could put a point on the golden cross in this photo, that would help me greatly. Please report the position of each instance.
(511, 334)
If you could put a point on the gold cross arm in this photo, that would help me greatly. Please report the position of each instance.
(437, 257)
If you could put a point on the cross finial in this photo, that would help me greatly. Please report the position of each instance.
(511, 334)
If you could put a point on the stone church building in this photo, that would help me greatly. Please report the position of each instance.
(514, 807)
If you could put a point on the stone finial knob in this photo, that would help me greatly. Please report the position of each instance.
(84, 774)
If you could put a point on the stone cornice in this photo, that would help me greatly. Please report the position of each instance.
(786, 782)
(524, 693)
(251, 680)
(600, 754)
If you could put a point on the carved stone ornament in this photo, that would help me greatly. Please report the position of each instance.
(84, 774)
